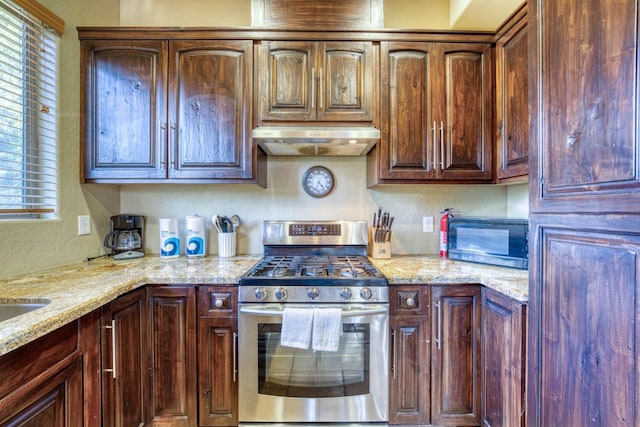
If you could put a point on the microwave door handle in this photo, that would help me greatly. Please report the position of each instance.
(349, 313)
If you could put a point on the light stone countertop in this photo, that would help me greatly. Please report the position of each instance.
(78, 289)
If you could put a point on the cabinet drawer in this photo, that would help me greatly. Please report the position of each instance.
(409, 300)
(31, 360)
(217, 301)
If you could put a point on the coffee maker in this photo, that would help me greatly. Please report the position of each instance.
(125, 237)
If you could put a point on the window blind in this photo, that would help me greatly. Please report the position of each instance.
(28, 146)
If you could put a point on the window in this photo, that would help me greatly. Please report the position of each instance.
(28, 128)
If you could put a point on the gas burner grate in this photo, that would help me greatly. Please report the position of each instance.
(314, 267)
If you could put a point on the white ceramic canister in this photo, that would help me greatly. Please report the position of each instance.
(195, 234)
(169, 238)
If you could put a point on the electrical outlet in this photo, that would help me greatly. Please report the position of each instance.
(84, 225)
(427, 224)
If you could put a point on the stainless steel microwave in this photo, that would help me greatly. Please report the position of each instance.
(496, 241)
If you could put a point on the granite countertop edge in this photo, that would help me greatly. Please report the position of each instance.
(78, 289)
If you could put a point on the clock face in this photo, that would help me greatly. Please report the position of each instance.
(318, 181)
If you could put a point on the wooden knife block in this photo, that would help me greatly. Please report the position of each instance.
(378, 250)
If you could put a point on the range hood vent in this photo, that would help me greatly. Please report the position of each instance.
(317, 141)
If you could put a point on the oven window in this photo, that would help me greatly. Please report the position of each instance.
(291, 372)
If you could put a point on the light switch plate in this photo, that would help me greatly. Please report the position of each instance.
(84, 225)
(427, 224)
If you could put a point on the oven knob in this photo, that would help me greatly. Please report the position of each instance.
(281, 294)
(366, 293)
(313, 293)
(345, 293)
(261, 294)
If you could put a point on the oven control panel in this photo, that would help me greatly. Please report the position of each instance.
(314, 230)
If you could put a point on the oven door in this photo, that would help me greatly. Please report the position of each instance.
(283, 384)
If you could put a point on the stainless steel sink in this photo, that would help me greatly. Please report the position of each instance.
(10, 309)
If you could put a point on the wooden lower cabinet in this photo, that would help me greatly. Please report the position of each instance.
(42, 382)
(172, 337)
(124, 363)
(503, 356)
(217, 356)
(435, 355)
(455, 355)
(409, 379)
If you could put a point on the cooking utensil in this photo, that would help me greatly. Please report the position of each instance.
(235, 221)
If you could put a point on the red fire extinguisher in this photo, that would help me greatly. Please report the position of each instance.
(444, 228)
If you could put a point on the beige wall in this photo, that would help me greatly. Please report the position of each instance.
(414, 14)
(27, 247)
(284, 199)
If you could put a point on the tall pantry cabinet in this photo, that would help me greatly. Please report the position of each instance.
(584, 355)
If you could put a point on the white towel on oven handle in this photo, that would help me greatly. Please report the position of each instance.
(296, 327)
(327, 329)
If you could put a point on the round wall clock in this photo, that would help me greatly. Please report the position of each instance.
(318, 181)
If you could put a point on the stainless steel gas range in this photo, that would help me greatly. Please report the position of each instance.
(313, 328)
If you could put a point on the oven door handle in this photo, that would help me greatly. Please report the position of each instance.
(347, 313)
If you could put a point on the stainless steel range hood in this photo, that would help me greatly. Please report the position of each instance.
(316, 141)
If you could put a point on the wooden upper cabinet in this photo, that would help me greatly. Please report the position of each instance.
(512, 100)
(157, 110)
(317, 14)
(316, 81)
(210, 85)
(435, 112)
(465, 124)
(586, 123)
(123, 109)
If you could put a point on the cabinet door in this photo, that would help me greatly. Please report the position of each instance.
(124, 361)
(407, 144)
(585, 106)
(409, 403)
(455, 356)
(210, 109)
(217, 355)
(465, 119)
(345, 81)
(57, 402)
(217, 371)
(409, 382)
(512, 102)
(172, 334)
(503, 360)
(123, 102)
(287, 75)
(583, 352)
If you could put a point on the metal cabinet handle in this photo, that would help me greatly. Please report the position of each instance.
(394, 353)
(439, 325)
(321, 89)
(113, 349)
(442, 145)
(313, 88)
(435, 146)
(163, 127)
(235, 356)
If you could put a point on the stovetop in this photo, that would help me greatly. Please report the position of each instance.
(316, 266)
(321, 261)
